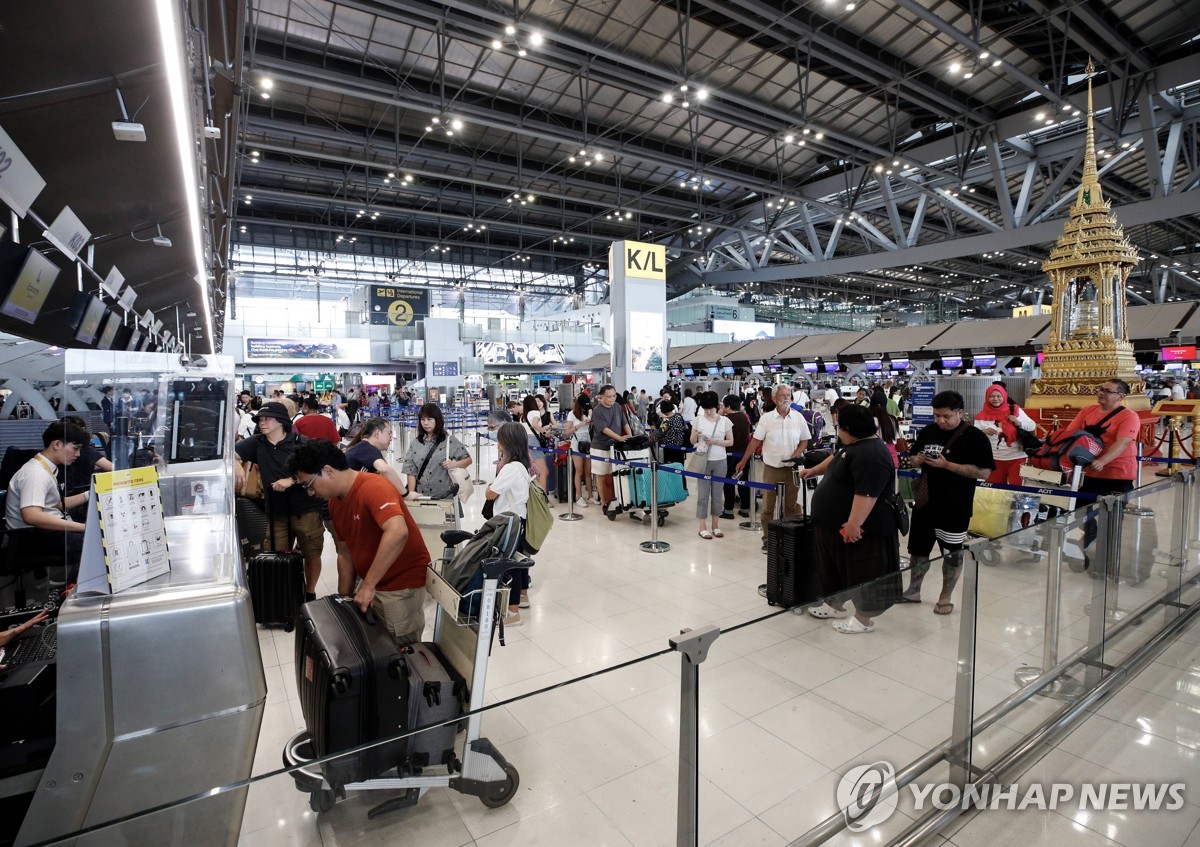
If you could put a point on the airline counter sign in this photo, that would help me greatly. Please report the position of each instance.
(645, 261)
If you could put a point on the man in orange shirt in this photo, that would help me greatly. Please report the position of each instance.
(379, 545)
(1115, 471)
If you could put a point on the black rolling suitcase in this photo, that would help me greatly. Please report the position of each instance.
(349, 674)
(251, 526)
(792, 578)
(276, 583)
(436, 692)
(562, 477)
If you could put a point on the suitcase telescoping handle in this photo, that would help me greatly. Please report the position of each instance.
(369, 615)
(270, 539)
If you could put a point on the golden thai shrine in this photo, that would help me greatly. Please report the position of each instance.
(1089, 340)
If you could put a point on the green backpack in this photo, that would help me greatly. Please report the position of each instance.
(539, 518)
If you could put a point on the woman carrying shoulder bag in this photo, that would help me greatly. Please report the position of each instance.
(510, 491)
(711, 434)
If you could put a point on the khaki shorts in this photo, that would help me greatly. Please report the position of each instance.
(307, 534)
(402, 612)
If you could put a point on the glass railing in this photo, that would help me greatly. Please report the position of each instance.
(764, 725)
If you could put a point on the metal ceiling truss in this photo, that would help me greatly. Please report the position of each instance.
(995, 181)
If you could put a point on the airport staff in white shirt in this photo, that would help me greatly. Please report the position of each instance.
(783, 434)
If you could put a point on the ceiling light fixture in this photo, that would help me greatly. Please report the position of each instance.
(170, 33)
(532, 39)
(687, 96)
(446, 124)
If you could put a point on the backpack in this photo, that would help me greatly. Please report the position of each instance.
(540, 518)
(816, 423)
(1062, 450)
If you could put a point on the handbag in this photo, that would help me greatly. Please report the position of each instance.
(1028, 441)
(253, 487)
(900, 511)
(697, 462)
(461, 478)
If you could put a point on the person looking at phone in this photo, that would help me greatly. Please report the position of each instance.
(953, 455)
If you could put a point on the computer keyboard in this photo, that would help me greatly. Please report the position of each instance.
(38, 645)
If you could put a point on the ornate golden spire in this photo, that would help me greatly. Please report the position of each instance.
(1090, 178)
(1088, 267)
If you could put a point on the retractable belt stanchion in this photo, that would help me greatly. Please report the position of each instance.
(570, 514)
(653, 545)
(478, 466)
(752, 524)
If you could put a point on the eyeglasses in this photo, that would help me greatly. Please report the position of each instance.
(1107, 391)
(307, 486)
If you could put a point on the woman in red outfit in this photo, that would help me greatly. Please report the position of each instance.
(1000, 419)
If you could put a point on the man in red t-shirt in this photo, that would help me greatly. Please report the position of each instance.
(1115, 471)
(312, 424)
(379, 544)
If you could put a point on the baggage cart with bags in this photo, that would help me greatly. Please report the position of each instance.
(623, 481)
(429, 684)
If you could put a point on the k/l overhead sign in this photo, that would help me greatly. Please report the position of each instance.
(645, 261)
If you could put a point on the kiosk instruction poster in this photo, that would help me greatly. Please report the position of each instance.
(922, 402)
(127, 521)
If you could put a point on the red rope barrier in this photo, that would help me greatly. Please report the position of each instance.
(1185, 450)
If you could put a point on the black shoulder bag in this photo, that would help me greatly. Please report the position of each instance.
(425, 464)
(1029, 441)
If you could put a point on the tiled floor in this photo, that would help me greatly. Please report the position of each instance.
(786, 707)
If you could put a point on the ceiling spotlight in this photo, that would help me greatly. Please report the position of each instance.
(510, 30)
(267, 83)
(496, 44)
(955, 67)
(536, 39)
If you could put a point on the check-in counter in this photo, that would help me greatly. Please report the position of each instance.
(160, 697)
(160, 684)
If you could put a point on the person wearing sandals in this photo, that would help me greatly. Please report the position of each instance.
(711, 434)
(952, 455)
(857, 545)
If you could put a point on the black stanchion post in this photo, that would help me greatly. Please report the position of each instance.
(478, 467)
(570, 514)
(653, 545)
(752, 524)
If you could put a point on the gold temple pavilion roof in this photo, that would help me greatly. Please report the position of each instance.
(1091, 235)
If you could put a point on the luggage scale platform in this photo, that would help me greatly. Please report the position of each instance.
(482, 770)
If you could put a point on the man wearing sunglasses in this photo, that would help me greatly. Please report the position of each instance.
(1115, 471)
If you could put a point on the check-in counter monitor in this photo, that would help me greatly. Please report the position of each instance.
(160, 686)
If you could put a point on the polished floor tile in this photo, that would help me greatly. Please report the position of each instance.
(786, 707)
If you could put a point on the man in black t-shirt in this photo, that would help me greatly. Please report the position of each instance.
(953, 455)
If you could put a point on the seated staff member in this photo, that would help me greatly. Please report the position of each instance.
(35, 500)
(77, 476)
(381, 555)
(365, 451)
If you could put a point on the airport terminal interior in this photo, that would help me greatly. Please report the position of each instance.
(222, 215)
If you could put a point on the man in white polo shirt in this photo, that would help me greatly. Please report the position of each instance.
(783, 434)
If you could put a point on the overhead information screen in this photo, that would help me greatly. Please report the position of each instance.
(27, 295)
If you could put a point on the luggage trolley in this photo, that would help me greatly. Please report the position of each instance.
(1023, 510)
(465, 642)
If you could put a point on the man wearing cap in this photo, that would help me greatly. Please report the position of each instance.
(295, 517)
